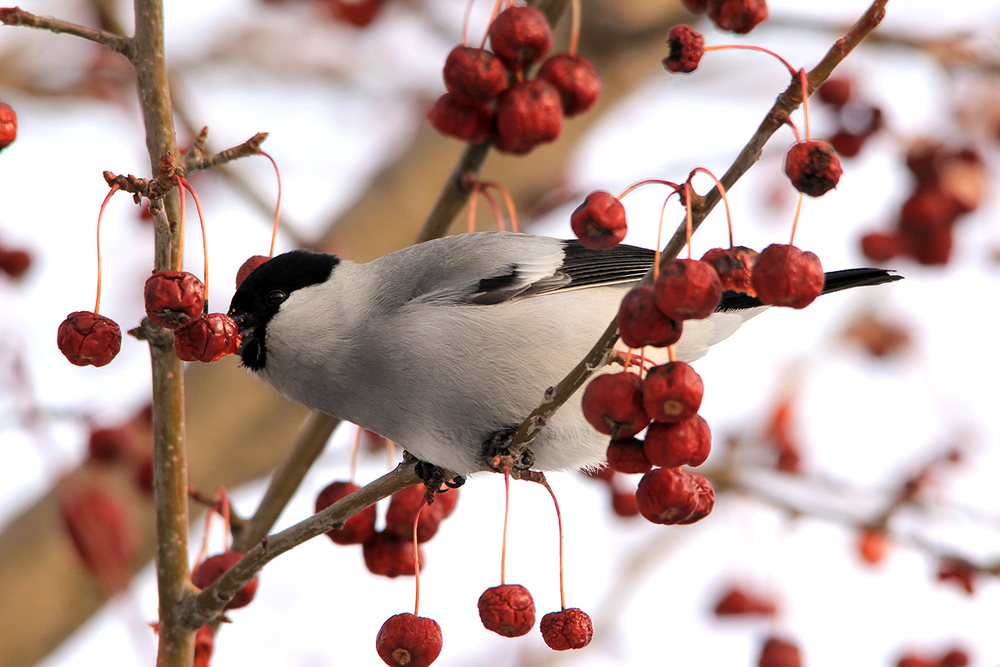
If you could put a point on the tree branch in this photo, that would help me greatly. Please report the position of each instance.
(15, 16)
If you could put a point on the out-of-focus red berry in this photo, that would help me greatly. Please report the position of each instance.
(739, 16)
(211, 570)
(575, 78)
(475, 75)
(461, 120)
(521, 35)
(528, 114)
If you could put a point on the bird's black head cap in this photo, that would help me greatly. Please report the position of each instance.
(261, 294)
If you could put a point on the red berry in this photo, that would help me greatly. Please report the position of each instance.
(521, 35)
(687, 46)
(248, 267)
(880, 247)
(835, 91)
(408, 640)
(924, 159)
(8, 126)
(704, 500)
(88, 339)
(389, 555)
(212, 569)
(455, 118)
(356, 13)
(529, 113)
(787, 276)
(476, 76)
(402, 511)
(204, 645)
(872, 545)
(566, 629)
(641, 323)
(575, 78)
(778, 652)
(956, 657)
(599, 222)
(627, 456)
(928, 211)
(688, 290)
(734, 266)
(507, 610)
(612, 403)
(207, 338)
(14, 262)
(813, 167)
(737, 602)
(109, 444)
(101, 532)
(356, 529)
(666, 495)
(846, 143)
(623, 503)
(739, 16)
(174, 298)
(961, 572)
(911, 660)
(685, 443)
(672, 393)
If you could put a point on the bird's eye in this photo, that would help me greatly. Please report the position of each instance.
(275, 298)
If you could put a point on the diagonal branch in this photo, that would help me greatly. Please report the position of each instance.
(15, 16)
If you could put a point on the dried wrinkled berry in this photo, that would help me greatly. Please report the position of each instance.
(612, 403)
(455, 118)
(211, 570)
(641, 323)
(248, 267)
(8, 125)
(356, 529)
(174, 298)
(813, 167)
(402, 511)
(687, 46)
(599, 222)
(529, 113)
(666, 495)
(507, 610)
(627, 456)
(672, 393)
(575, 78)
(389, 555)
(521, 35)
(566, 629)
(787, 276)
(688, 290)
(734, 266)
(739, 16)
(704, 500)
(476, 76)
(207, 338)
(406, 640)
(89, 339)
(688, 442)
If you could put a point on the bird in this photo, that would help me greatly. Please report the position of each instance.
(442, 345)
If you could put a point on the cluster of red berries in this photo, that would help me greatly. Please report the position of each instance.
(390, 552)
(736, 601)
(954, 657)
(489, 97)
(127, 445)
(857, 121)
(948, 184)
(176, 300)
(8, 126)
(14, 261)
(739, 16)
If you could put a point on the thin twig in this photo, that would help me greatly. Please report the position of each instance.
(15, 16)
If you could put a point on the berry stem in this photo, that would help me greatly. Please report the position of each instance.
(562, 578)
(465, 23)
(506, 516)
(416, 558)
(277, 204)
(795, 221)
(472, 206)
(497, 215)
(747, 47)
(204, 237)
(493, 15)
(100, 216)
(659, 237)
(647, 181)
(354, 455)
(226, 516)
(511, 208)
(725, 200)
(574, 34)
(687, 221)
(805, 99)
(673, 356)
(180, 239)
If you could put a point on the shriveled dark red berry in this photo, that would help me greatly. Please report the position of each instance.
(14, 262)
(684, 443)
(406, 640)
(813, 167)
(739, 16)
(641, 323)
(847, 143)
(174, 298)
(88, 339)
(213, 567)
(687, 46)
(8, 125)
(207, 339)
(688, 290)
(612, 403)
(736, 601)
(575, 78)
(455, 118)
(880, 247)
(599, 222)
(389, 555)
(529, 113)
(359, 527)
(248, 267)
(627, 456)
(672, 392)
(704, 500)
(507, 610)
(567, 629)
(835, 91)
(475, 75)
(787, 276)
(778, 652)
(734, 266)
(666, 495)
(402, 512)
(521, 35)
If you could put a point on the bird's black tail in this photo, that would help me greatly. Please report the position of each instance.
(834, 282)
